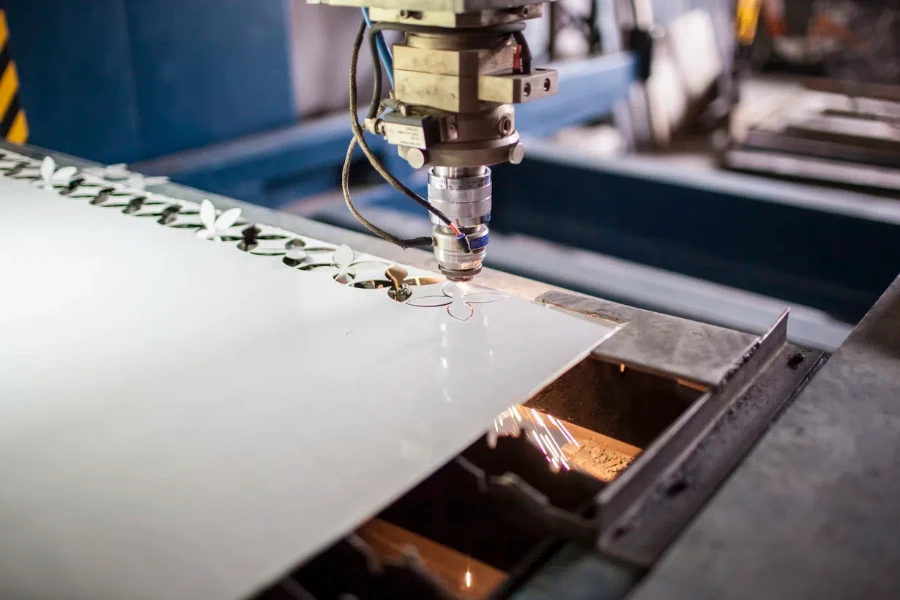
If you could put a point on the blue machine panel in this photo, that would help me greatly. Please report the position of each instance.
(207, 71)
(76, 79)
(781, 240)
(126, 80)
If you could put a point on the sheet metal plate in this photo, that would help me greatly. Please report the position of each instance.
(181, 419)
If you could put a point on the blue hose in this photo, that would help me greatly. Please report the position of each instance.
(384, 53)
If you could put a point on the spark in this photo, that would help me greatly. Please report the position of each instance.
(562, 428)
(539, 442)
(622, 368)
(557, 451)
(540, 427)
(549, 441)
(537, 418)
(468, 578)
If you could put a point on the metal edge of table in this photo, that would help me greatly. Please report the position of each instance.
(812, 511)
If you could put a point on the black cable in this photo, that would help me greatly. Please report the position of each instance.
(357, 136)
(373, 160)
(419, 242)
(375, 104)
(554, 30)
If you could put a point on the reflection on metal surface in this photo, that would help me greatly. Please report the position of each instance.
(458, 298)
(297, 252)
(468, 578)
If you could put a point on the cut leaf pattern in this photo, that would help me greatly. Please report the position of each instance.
(214, 227)
(343, 265)
(458, 298)
(52, 177)
(115, 186)
(120, 173)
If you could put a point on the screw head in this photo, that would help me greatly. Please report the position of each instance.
(517, 154)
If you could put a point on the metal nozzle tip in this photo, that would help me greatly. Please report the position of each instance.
(458, 275)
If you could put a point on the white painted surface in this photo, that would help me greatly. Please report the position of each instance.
(183, 420)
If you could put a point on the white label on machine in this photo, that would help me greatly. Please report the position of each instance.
(405, 135)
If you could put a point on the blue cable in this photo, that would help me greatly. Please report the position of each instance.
(384, 53)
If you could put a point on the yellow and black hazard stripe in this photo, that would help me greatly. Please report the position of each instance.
(12, 118)
(747, 20)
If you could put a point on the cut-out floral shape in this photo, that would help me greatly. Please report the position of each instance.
(263, 240)
(51, 176)
(145, 206)
(116, 172)
(295, 252)
(458, 298)
(214, 227)
(9, 161)
(183, 215)
(89, 190)
(119, 172)
(398, 281)
(343, 266)
(140, 182)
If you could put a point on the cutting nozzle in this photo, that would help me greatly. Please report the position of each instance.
(463, 194)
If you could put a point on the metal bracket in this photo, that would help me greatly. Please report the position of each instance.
(645, 508)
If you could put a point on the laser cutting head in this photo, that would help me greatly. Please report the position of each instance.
(464, 195)
(457, 72)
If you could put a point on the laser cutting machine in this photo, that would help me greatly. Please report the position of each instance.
(456, 74)
(748, 466)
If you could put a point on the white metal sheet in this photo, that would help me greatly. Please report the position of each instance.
(180, 419)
